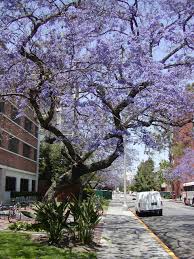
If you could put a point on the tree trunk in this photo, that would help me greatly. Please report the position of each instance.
(67, 185)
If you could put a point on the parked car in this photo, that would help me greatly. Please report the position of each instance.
(134, 194)
(149, 202)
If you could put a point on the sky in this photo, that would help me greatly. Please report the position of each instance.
(139, 155)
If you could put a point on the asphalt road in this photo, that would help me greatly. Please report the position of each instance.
(175, 228)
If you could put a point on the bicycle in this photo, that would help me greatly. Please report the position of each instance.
(14, 214)
(3, 210)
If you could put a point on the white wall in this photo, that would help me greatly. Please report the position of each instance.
(6, 171)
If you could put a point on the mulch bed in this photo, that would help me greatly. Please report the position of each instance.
(99, 230)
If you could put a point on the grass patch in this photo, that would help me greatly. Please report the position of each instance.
(19, 246)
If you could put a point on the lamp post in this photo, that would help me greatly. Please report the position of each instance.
(125, 176)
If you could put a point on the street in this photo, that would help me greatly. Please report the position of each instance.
(175, 228)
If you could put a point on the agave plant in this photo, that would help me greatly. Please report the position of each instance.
(86, 216)
(52, 217)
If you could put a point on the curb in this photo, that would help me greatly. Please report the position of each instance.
(165, 247)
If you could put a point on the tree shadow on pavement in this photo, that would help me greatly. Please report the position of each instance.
(176, 232)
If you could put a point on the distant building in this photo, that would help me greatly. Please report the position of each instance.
(183, 138)
(19, 150)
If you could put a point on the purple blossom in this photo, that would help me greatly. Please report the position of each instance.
(185, 167)
(68, 57)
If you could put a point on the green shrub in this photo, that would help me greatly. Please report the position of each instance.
(86, 216)
(166, 195)
(17, 226)
(28, 214)
(87, 192)
(104, 203)
(105, 194)
(52, 217)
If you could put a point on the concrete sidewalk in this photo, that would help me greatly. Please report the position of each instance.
(124, 236)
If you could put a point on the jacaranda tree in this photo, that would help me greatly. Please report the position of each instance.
(111, 68)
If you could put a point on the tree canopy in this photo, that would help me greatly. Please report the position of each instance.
(52, 162)
(105, 68)
(183, 170)
(146, 179)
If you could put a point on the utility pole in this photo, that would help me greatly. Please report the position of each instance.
(125, 176)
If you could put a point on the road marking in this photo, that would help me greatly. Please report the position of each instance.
(165, 247)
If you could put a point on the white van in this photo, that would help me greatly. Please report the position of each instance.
(148, 202)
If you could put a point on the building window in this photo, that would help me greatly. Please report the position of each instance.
(24, 185)
(33, 185)
(189, 188)
(14, 114)
(35, 154)
(28, 125)
(36, 132)
(13, 144)
(26, 150)
(2, 107)
(10, 184)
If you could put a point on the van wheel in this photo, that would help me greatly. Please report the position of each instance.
(160, 213)
(137, 213)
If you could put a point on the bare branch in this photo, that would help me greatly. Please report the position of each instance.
(173, 52)
(184, 63)
(102, 94)
(109, 160)
(185, 22)
(134, 91)
(45, 123)
(166, 121)
(14, 94)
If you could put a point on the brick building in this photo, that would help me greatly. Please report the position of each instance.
(19, 150)
(183, 138)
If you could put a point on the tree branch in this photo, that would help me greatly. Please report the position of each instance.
(45, 123)
(184, 63)
(14, 94)
(109, 160)
(173, 52)
(131, 95)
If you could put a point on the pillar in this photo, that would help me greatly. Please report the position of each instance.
(2, 184)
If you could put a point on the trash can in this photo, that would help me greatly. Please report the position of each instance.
(106, 194)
